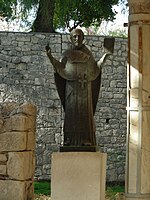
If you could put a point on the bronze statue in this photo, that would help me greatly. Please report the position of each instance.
(78, 78)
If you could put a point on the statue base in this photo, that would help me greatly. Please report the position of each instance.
(78, 175)
(78, 149)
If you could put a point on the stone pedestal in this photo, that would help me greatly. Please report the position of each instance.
(78, 176)
(138, 146)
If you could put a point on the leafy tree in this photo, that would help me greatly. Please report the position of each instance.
(44, 8)
(6, 8)
(52, 14)
(83, 12)
(44, 18)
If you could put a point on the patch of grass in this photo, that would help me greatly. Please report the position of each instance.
(42, 188)
(111, 191)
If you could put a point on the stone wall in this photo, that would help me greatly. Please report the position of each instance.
(27, 75)
(17, 147)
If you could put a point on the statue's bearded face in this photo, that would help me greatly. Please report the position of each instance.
(77, 37)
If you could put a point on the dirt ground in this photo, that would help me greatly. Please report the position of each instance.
(41, 197)
(118, 196)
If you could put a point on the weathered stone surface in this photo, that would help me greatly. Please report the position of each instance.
(17, 157)
(30, 190)
(3, 157)
(138, 107)
(72, 179)
(19, 123)
(25, 109)
(30, 141)
(3, 169)
(16, 190)
(13, 141)
(1, 123)
(20, 165)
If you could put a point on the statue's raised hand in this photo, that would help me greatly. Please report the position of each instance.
(48, 49)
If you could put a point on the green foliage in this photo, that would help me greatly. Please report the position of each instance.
(8, 8)
(42, 188)
(118, 33)
(83, 12)
(65, 14)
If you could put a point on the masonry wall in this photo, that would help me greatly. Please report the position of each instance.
(27, 75)
(17, 151)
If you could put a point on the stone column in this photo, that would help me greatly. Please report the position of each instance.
(138, 109)
(17, 146)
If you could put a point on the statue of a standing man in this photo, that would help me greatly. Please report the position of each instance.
(77, 77)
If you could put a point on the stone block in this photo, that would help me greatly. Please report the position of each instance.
(78, 176)
(13, 141)
(19, 123)
(30, 141)
(16, 190)
(145, 172)
(3, 157)
(30, 190)
(3, 169)
(1, 123)
(28, 109)
(21, 165)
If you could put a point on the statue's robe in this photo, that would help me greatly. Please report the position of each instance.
(75, 83)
